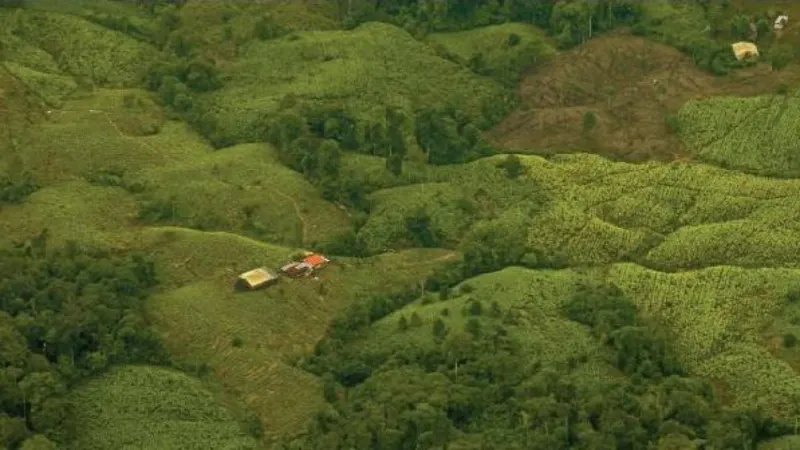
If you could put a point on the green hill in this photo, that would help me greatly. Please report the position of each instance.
(361, 71)
(144, 407)
(79, 47)
(756, 135)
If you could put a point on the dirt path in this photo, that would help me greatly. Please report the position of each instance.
(445, 257)
(299, 214)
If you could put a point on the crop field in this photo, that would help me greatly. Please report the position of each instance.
(689, 215)
(781, 443)
(363, 70)
(201, 315)
(79, 47)
(622, 80)
(757, 134)
(245, 188)
(717, 316)
(669, 216)
(154, 408)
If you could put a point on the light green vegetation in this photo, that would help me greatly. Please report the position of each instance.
(201, 314)
(74, 211)
(453, 197)
(529, 301)
(52, 88)
(494, 52)
(782, 443)
(672, 215)
(663, 215)
(207, 21)
(757, 134)
(214, 190)
(79, 47)
(363, 70)
(136, 407)
(717, 316)
(244, 188)
(680, 24)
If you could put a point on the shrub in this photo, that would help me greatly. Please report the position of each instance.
(789, 340)
(589, 121)
(15, 190)
(253, 425)
(793, 294)
(639, 29)
(514, 39)
(475, 308)
(512, 166)
(780, 56)
(673, 123)
(473, 327)
(237, 342)
(439, 329)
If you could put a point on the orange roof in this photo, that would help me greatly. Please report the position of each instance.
(315, 260)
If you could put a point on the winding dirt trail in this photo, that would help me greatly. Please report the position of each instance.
(298, 213)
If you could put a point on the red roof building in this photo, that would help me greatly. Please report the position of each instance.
(316, 260)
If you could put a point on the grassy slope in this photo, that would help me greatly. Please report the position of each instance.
(753, 134)
(679, 215)
(364, 70)
(454, 197)
(692, 212)
(81, 48)
(539, 325)
(783, 443)
(201, 314)
(503, 60)
(717, 315)
(138, 407)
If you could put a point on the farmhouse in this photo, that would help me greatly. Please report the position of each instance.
(296, 269)
(316, 261)
(255, 279)
(744, 50)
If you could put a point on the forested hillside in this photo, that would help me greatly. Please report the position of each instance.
(563, 224)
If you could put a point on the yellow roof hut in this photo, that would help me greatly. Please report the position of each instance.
(743, 50)
(255, 279)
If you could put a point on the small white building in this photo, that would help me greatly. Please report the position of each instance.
(781, 22)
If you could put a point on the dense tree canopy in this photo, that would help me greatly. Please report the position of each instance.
(478, 387)
(65, 314)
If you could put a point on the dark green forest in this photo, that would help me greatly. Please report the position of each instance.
(477, 388)
(65, 315)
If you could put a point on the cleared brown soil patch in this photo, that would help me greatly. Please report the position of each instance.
(631, 84)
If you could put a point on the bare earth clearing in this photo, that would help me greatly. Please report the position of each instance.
(631, 84)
